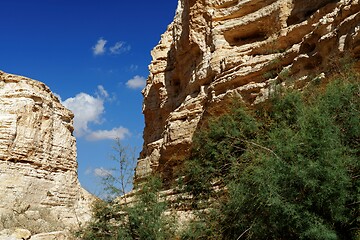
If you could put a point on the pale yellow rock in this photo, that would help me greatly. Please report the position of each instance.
(22, 234)
(38, 167)
(59, 235)
(6, 235)
(215, 49)
(15, 234)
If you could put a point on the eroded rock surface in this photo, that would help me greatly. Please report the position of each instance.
(39, 188)
(215, 49)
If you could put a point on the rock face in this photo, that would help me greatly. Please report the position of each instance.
(215, 49)
(39, 188)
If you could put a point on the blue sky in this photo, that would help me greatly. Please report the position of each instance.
(95, 55)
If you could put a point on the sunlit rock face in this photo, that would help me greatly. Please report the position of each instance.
(38, 167)
(215, 49)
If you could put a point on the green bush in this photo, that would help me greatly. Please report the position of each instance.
(146, 217)
(216, 150)
(143, 218)
(102, 225)
(288, 171)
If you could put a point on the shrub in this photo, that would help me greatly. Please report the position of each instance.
(288, 171)
(216, 150)
(143, 218)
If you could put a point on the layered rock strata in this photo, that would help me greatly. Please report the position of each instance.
(215, 49)
(39, 188)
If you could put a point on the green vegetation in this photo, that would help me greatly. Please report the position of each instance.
(119, 182)
(142, 218)
(136, 216)
(287, 169)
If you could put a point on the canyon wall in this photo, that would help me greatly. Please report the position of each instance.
(217, 49)
(39, 188)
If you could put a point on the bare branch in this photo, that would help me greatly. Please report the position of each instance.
(243, 233)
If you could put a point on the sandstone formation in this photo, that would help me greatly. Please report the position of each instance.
(39, 188)
(215, 49)
(24, 234)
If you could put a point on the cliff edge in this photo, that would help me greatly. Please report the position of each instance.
(215, 49)
(39, 187)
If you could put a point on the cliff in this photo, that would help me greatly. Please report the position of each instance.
(39, 188)
(215, 49)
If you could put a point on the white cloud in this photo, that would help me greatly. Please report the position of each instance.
(88, 171)
(119, 47)
(119, 132)
(102, 172)
(102, 92)
(136, 82)
(133, 67)
(116, 48)
(87, 109)
(99, 48)
(58, 96)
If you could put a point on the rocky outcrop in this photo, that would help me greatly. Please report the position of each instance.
(39, 188)
(215, 49)
(24, 234)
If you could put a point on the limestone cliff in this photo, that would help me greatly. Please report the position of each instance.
(39, 188)
(217, 48)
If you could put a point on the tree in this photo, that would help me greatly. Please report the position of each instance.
(121, 218)
(296, 175)
(119, 182)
